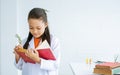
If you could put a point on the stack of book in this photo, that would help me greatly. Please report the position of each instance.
(107, 68)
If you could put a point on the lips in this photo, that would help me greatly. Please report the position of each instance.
(35, 35)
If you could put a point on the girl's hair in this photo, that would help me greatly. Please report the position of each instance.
(38, 13)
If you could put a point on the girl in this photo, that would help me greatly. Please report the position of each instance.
(38, 32)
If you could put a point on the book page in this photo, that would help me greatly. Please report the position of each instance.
(43, 45)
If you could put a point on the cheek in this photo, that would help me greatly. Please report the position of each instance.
(41, 32)
(31, 31)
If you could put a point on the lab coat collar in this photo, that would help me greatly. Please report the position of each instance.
(31, 43)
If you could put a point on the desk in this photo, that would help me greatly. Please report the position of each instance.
(82, 68)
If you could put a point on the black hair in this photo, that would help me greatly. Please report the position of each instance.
(38, 13)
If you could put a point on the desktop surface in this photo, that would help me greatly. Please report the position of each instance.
(83, 68)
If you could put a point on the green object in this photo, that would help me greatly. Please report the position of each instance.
(19, 39)
(116, 70)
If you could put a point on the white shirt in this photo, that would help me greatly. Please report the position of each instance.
(46, 67)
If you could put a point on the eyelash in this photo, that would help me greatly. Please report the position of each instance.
(37, 28)
(30, 28)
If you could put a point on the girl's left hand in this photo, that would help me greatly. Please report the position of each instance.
(33, 54)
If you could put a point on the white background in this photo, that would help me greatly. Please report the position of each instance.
(85, 28)
(8, 29)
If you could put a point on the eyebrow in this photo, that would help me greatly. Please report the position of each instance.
(38, 26)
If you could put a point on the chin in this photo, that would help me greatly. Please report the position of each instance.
(36, 36)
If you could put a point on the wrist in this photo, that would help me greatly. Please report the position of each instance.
(38, 60)
(17, 59)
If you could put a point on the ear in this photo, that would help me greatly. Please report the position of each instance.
(46, 24)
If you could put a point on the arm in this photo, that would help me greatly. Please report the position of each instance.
(19, 64)
(17, 57)
(18, 60)
(52, 64)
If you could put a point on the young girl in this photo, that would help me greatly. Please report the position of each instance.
(38, 32)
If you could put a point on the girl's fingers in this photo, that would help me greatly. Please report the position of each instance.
(17, 47)
(36, 52)
(27, 53)
(20, 46)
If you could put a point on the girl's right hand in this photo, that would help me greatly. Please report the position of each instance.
(17, 55)
(16, 48)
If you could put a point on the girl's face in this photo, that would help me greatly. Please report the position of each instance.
(36, 27)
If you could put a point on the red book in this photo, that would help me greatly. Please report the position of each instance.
(44, 51)
(109, 65)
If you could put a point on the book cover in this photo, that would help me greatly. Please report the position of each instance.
(108, 65)
(44, 51)
(107, 71)
(103, 71)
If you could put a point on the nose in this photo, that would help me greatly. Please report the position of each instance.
(34, 31)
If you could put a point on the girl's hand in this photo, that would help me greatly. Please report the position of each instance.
(33, 54)
(16, 55)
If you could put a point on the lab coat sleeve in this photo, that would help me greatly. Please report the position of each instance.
(52, 64)
(19, 64)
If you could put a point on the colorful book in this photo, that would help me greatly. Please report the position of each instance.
(44, 51)
(108, 65)
(106, 71)
(103, 71)
(107, 68)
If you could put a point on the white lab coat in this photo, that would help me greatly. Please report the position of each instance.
(47, 67)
